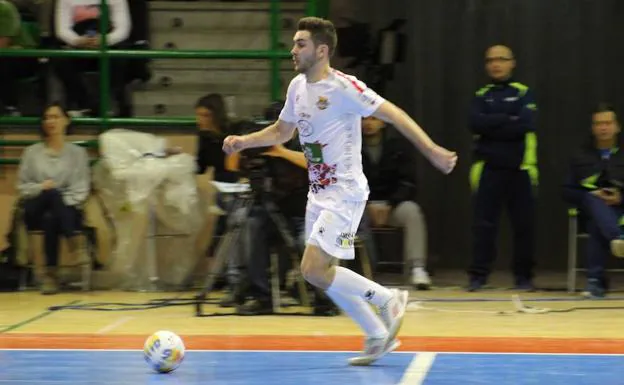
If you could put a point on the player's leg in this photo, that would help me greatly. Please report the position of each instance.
(317, 269)
(354, 306)
(331, 236)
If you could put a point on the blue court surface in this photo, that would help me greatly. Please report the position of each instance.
(327, 368)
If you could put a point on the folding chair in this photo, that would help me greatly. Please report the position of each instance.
(576, 231)
(35, 250)
(390, 249)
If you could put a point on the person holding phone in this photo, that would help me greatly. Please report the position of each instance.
(594, 186)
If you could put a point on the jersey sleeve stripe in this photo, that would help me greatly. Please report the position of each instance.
(353, 82)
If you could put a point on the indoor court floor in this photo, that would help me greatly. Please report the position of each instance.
(448, 337)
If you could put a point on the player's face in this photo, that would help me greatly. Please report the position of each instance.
(304, 53)
(604, 126)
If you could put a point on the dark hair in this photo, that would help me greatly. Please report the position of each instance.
(63, 111)
(604, 107)
(601, 107)
(321, 32)
(215, 103)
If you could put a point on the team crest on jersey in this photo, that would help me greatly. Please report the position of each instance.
(322, 103)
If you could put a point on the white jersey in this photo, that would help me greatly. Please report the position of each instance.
(328, 115)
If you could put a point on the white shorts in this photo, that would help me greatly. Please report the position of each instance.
(332, 225)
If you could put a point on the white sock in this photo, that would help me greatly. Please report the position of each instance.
(361, 312)
(350, 283)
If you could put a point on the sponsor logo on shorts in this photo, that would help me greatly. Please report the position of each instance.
(345, 240)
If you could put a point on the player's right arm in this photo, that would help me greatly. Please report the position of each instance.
(277, 133)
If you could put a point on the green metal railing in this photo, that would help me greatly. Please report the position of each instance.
(274, 54)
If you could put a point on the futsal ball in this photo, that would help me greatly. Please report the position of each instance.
(164, 351)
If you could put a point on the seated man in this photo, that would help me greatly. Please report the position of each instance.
(54, 180)
(391, 174)
(78, 27)
(594, 185)
(12, 35)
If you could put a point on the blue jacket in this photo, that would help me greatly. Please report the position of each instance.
(502, 119)
(590, 170)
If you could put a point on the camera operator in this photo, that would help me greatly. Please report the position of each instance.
(278, 179)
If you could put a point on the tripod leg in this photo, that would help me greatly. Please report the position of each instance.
(221, 258)
(275, 282)
(288, 239)
(231, 237)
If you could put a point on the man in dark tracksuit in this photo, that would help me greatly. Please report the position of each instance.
(594, 186)
(502, 120)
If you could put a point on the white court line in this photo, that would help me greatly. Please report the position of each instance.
(312, 351)
(417, 370)
(115, 324)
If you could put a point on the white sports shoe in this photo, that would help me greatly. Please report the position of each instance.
(420, 279)
(374, 349)
(392, 316)
(392, 313)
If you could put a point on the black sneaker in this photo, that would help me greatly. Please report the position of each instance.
(475, 284)
(255, 307)
(524, 284)
(595, 289)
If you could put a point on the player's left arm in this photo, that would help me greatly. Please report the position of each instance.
(363, 101)
(394, 115)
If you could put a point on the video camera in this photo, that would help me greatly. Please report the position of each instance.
(255, 166)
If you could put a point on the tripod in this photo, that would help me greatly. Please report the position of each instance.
(243, 203)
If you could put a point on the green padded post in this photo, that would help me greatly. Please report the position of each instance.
(24, 142)
(153, 123)
(105, 83)
(311, 8)
(151, 54)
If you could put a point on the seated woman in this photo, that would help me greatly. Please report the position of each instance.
(213, 126)
(53, 183)
(595, 185)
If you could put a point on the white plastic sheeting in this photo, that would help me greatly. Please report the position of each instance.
(156, 208)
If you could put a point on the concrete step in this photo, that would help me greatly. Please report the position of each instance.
(222, 40)
(229, 80)
(169, 16)
(181, 103)
(286, 65)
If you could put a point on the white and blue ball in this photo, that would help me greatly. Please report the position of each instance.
(164, 351)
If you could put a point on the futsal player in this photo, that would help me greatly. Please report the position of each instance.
(326, 107)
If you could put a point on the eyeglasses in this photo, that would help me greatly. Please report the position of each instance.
(499, 58)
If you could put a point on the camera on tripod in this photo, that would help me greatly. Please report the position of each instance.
(254, 164)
